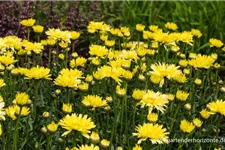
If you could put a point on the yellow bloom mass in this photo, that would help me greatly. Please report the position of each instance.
(205, 113)
(2, 109)
(28, 22)
(217, 107)
(215, 43)
(69, 78)
(7, 60)
(171, 25)
(37, 73)
(140, 27)
(22, 98)
(202, 61)
(97, 50)
(75, 35)
(67, 108)
(2, 83)
(155, 132)
(94, 101)
(182, 95)
(38, 28)
(186, 126)
(86, 147)
(138, 94)
(76, 122)
(155, 100)
(162, 70)
(52, 127)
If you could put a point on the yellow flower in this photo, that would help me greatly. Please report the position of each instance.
(138, 94)
(24, 112)
(94, 101)
(10, 111)
(29, 47)
(45, 114)
(69, 78)
(74, 54)
(51, 42)
(104, 37)
(67, 108)
(155, 132)
(182, 95)
(61, 56)
(89, 78)
(186, 126)
(59, 35)
(76, 122)
(97, 26)
(162, 70)
(140, 27)
(137, 147)
(154, 100)
(75, 35)
(95, 61)
(125, 31)
(186, 71)
(97, 50)
(2, 83)
(120, 91)
(181, 78)
(114, 31)
(37, 73)
(38, 28)
(80, 61)
(215, 43)
(217, 149)
(171, 25)
(187, 106)
(153, 28)
(196, 32)
(94, 137)
(86, 147)
(7, 60)
(109, 43)
(28, 22)
(119, 148)
(22, 98)
(202, 61)
(2, 110)
(170, 97)
(183, 63)
(198, 81)
(217, 107)
(63, 44)
(197, 122)
(14, 109)
(104, 143)
(205, 114)
(152, 117)
(83, 86)
(52, 127)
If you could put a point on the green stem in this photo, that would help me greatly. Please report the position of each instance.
(73, 47)
(67, 95)
(74, 138)
(35, 99)
(16, 133)
(174, 117)
(49, 141)
(49, 57)
(28, 34)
